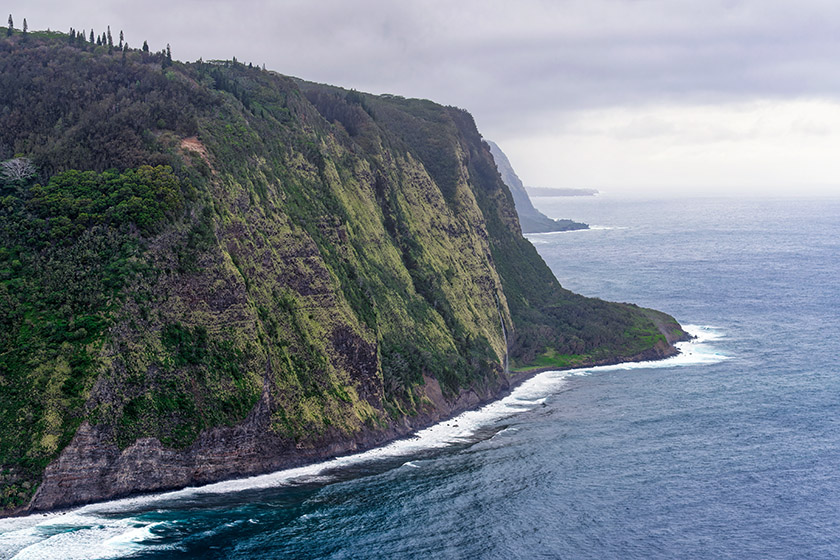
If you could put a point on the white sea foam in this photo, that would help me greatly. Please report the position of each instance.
(546, 235)
(547, 238)
(605, 228)
(89, 532)
(75, 535)
(139, 534)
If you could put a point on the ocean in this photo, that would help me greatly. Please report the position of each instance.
(730, 450)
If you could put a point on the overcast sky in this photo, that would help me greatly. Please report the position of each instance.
(621, 95)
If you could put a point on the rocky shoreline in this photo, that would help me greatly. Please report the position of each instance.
(92, 469)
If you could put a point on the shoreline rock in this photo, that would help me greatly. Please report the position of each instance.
(97, 471)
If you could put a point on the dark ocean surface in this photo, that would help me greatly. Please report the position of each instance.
(731, 450)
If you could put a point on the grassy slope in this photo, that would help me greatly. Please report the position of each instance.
(323, 250)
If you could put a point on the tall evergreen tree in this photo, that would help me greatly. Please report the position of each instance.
(11, 26)
(110, 39)
(92, 40)
(121, 38)
(166, 61)
(25, 27)
(145, 47)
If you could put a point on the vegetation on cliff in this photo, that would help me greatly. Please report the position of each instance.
(198, 245)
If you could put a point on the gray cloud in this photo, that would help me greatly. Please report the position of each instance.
(509, 63)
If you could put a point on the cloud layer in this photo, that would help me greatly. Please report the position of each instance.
(524, 69)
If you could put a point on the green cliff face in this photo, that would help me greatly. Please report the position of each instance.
(212, 250)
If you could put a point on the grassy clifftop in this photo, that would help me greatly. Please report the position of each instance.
(202, 246)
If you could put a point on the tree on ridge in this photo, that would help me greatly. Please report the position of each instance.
(17, 169)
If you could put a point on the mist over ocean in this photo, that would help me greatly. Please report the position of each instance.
(731, 450)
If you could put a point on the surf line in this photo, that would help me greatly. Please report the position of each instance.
(460, 429)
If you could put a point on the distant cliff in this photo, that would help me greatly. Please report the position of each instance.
(209, 271)
(531, 219)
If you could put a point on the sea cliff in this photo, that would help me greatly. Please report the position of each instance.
(531, 220)
(209, 270)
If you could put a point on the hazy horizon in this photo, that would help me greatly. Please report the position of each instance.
(643, 96)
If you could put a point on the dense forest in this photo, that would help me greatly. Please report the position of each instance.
(192, 251)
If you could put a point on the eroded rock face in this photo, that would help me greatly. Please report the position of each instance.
(92, 468)
(339, 270)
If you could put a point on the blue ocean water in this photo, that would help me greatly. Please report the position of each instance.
(732, 450)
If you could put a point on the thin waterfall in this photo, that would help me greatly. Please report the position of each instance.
(504, 334)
